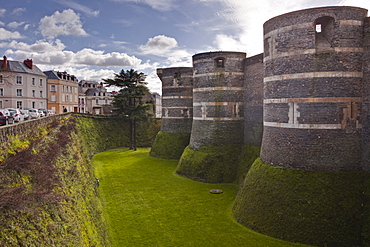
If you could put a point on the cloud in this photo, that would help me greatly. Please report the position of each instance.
(6, 35)
(79, 7)
(2, 12)
(162, 5)
(356, 3)
(38, 46)
(159, 45)
(18, 11)
(99, 58)
(15, 24)
(64, 23)
(53, 53)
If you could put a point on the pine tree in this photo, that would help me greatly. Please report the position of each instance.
(129, 102)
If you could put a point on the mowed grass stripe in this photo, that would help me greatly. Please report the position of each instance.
(147, 204)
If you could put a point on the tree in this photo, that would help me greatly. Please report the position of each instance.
(129, 101)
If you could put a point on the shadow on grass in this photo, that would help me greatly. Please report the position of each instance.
(147, 204)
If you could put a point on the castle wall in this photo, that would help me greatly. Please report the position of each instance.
(366, 99)
(253, 100)
(313, 82)
(177, 99)
(217, 99)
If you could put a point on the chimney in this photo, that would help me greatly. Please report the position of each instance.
(5, 62)
(28, 62)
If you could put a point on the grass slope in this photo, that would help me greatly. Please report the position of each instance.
(146, 204)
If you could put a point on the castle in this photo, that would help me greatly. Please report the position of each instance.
(300, 110)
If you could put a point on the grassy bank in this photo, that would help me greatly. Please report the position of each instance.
(146, 204)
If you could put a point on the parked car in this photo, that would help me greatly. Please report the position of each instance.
(26, 114)
(6, 117)
(34, 113)
(44, 111)
(17, 115)
(51, 112)
(41, 113)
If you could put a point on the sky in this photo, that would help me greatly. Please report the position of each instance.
(94, 39)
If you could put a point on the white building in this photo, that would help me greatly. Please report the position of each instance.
(22, 85)
(94, 98)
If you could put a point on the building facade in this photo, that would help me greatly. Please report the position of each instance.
(62, 92)
(22, 85)
(94, 98)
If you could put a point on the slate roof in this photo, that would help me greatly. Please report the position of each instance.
(21, 67)
(51, 74)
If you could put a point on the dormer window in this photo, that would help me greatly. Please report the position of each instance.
(220, 63)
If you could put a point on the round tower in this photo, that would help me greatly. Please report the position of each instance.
(217, 99)
(177, 112)
(312, 108)
(218, 114)
(312, 95)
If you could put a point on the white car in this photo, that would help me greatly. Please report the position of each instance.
(34, 113)
(17, 115)
(51, 112)
(41, 113)
(26, 114)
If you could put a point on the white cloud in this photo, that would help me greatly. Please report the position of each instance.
(248, 18)
(38, 46)
(2, 12)
(64, 23)
(79, 7)
(159, 45)
(18, 11)
(99, 58)
(15, 24)
(162, 5)
(53, 54)
(6, 35)
(356, 3)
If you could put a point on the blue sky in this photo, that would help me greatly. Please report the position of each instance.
(93, 39)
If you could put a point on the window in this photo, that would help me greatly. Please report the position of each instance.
(1, 105)
(324, 32)
(97, 101)
(1, 91)
(177, 79)
(106, 101)
(1, 79)
(52, 88)
(41, 94)
(41, 104)
(40, 82)
(19, 92)
(53, 98)
(220, 63)
(19, 79)
(19, 104)
(33, 82)
(33, 93)
(185, 112)
(33, 104)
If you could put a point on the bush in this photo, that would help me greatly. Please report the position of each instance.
(169, 145)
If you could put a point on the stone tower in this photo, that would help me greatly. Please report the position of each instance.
(313, 82)
(218, 99)
(316, 102)
(177, 112)
(218, 115)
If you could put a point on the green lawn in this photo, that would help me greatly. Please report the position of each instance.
(147, 204)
